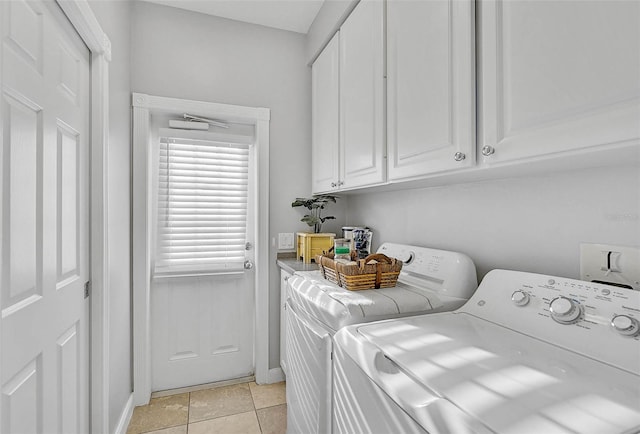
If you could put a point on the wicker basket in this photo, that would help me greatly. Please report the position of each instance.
(374, 271)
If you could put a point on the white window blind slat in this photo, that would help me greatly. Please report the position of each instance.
(202, 206)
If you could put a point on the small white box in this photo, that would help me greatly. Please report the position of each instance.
(285, 241)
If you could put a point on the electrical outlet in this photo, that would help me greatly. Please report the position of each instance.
(285, 241)
(619, 265)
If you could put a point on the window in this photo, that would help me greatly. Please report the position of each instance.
(202, 207)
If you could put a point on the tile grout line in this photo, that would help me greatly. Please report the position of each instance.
(255, 410)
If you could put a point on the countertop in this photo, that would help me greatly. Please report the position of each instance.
(288, 262)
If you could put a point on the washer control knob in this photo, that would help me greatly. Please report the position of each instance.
(565, 310)
(625, 325)
(520, 298)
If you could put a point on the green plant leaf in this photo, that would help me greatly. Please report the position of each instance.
(315, 204)
(310, 220)
(326, 198)
(302, 202)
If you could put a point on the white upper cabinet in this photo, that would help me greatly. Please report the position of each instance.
(558, 76)
(325, 119)
(430, 86)
(362, 153)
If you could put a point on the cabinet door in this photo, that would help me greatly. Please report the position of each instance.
(324, 112)
(284, 277)
(430, 86)
(361, 96)
(558, 76)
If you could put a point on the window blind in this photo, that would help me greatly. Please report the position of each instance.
(202, 207)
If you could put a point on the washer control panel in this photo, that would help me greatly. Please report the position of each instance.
(596, 320)
(444, 272)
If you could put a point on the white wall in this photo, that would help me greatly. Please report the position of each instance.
(114, 17)
(182, 54)
(531, 223)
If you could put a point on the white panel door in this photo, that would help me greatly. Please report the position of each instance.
(430, 86)
(44, 220)
(202, 327)
(558, 76)
(362, 96)
(325, 119)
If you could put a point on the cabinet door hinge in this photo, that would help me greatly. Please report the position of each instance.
(87, 288)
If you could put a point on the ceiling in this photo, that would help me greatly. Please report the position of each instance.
(293, 15)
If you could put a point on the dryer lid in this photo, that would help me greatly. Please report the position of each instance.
(337, 307)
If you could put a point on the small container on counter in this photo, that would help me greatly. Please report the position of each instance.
(342, 248)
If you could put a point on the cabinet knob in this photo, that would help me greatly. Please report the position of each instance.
(459, 156)
(488, 150)
(340, 183)
(333, 184)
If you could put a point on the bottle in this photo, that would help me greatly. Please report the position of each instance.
(341, 248)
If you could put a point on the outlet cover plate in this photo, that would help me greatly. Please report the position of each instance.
(619, 265)
(285, 241)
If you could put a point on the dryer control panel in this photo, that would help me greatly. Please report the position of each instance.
(595, 320)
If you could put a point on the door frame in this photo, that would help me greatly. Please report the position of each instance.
(86, 24)
(143, 106)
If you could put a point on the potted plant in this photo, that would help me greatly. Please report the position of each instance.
(315, 205)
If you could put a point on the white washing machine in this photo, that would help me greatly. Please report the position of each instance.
(527, 354)
(430, 281)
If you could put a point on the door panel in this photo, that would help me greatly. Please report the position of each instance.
(430, 86)
(68, 358)
(361, 96)
(552, 82)
(68, 206)
(22, 399)
(202, 330)
(325, 101)
(25, 31)
(23, 149)
(44, 221)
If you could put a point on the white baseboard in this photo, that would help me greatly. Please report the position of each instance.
(125, 417)
(275, 375)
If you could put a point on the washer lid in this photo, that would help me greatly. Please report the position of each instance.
(337, 307)
(504, 380)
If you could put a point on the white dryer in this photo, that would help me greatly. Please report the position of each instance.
(430, 281)
(528, 353)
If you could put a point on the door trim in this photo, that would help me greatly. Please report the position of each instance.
(86, 24)
(143, 105)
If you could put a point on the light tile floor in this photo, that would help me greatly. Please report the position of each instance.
(245, 408)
